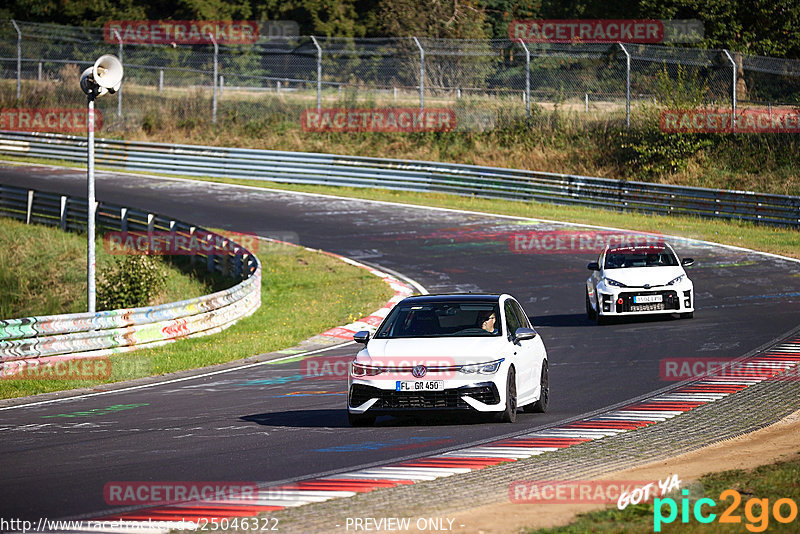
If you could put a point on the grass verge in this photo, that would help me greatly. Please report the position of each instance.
(29, 289)
(303, 293)
(771, 482)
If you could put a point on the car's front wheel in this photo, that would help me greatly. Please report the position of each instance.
(509, 415)
(360, 419)
(590, 313)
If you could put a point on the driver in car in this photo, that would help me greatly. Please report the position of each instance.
(489, 320)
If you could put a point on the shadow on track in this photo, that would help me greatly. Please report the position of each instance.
(338, 419)
(580, 319)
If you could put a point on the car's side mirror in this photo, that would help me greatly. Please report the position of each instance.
(687, 262)
(594, 266)
(362, 336)
(523, 333)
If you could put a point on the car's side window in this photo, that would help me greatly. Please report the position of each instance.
(523, 319)
(511, 318)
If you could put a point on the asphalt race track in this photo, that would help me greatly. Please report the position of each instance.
(269, 423)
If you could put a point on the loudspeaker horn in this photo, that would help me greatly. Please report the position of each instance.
(107, 72)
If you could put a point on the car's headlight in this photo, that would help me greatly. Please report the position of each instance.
(488, 368)
(359, 369)
(611, 282)
(676, 280)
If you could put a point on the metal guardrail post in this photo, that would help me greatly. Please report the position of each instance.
(421, 74)
(214, 96)
(527, 79)
(627, 86)
(119, 92)
(19, 58)
(733, 91)
(319, 73)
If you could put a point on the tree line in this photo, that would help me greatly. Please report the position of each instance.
(759, 27)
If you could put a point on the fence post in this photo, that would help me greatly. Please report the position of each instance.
(119, 91)
(221, 85)
(160, 80)
(319, 73)
(30, 206)
(39, 71)
(214, 90)
(421, 74)
(627, 86)
(527, 79)
(733, 91)
(63, 213)
(19, 58)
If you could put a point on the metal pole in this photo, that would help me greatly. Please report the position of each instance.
(119, 92)
(90, 257)
(319, 73)
(527, 79)
(421, 74)
(627, 86)
(160, 80)
(733, 92)
(19, 58)
(214, 97)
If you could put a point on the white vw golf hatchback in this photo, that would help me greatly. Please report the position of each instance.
(464, 352)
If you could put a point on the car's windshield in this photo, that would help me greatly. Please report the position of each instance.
(640, 257)
(438, 319)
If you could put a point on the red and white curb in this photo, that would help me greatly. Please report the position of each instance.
(191, 515)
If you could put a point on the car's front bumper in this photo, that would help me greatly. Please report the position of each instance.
(619, 301)
(382, 397)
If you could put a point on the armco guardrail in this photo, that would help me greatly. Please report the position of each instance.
(108, 332)
(470, 180)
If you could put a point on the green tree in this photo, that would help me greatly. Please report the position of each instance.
(450, 19)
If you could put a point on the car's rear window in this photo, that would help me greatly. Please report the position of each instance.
(456, 319)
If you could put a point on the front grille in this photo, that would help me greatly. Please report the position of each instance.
(669, 300)
(405, 400)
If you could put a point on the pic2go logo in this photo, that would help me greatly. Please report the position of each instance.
(756, 511)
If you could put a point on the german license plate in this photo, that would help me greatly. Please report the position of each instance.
(420, 385)
(646, 299)
(647, 307)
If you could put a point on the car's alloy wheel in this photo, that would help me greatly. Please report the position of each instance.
(509, 415)
(590, 313)
(360, 419)
(540, 406)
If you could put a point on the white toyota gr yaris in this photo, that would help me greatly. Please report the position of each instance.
(639, 280)
(463, 352)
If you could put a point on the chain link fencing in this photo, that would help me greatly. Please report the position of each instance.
(488, 83)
